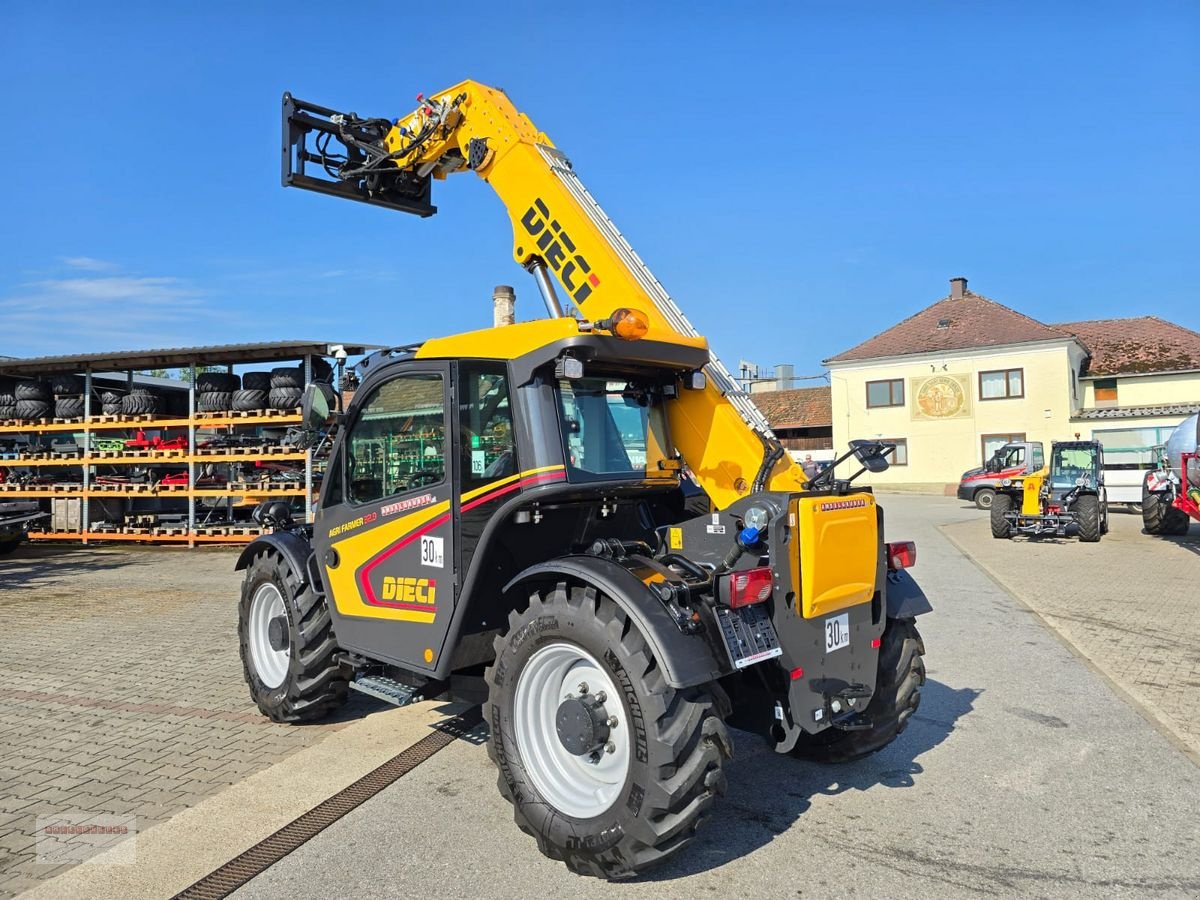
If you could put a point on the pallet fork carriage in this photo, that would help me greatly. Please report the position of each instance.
(504, 520)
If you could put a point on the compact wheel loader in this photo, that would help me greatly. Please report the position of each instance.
(508, 517)
(1067, 494)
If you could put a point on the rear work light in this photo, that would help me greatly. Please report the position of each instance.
(747, 587)
(901, 555)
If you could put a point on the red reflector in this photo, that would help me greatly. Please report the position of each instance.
(876, 643)
(797, 673)
(750, 586)
(901, 555)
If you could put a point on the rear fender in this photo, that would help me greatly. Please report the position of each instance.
(686, 660)
(291, 546)
(905, 598)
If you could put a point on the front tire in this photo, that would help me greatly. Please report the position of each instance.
(984, 498)
(1001, 527)
(609, 813)
(897, 696)
(1087, 517)
(287, 643)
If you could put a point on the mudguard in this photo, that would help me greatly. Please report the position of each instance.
(905, 598)
(686, 659)
(292, 547)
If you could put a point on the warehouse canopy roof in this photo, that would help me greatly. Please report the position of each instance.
(1136, 346)
(796, 408)
(176, 357)
(1137, 412)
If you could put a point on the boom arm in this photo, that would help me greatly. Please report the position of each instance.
(557, 227)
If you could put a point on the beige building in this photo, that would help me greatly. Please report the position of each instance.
(963, 376)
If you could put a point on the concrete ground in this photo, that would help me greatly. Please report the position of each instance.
(121, 691)
(1023, 773)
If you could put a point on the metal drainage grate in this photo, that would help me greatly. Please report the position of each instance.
(228, 878)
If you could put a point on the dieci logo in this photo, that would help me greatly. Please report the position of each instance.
(555, 244)
(420, 592)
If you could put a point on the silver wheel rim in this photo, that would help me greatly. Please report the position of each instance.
(270, 664)
(579, 786)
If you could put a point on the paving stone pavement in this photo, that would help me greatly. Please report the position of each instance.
(1130, 604)
(121, 691)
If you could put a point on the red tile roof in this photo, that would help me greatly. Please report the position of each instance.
(950, 324)
(796, 408)
(1131, 346)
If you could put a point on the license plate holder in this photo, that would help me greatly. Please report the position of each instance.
(748, 635)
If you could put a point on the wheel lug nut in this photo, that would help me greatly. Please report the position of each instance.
(601, 697)
(583, 688)
(610, 747)
(612, 722)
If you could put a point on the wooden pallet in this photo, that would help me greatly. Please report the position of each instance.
(72, 421)
(144, 520)
(67, 454)
(13, 486)
(63, 488)
(134, 529)
(168, 454)
(219, 414)
(139, 417)
(136, 454)
(264, 487)
(168, 531)
(107, 418)
(171, 488)
(243, 530)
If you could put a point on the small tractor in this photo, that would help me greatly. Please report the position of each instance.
(1171, 492)
(1068, 493)
(503, 520)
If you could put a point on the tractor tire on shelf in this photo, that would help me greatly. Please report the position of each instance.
(34, 409)
(111, 409)
(33, 390)
(66, 385)
(256, 381)
(287, 377)
(247, 400)
(285, 397)
(8, 410)
(217, 383)
(68, 408)
(214, 401)
(139, 403)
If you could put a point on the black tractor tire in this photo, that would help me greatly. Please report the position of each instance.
(217, 382)
(321, 370)
(214, 401)
(34, 409)
(287, 377)
(285, 397)
(1159, 516)
(111, 409)
(1001, 504)
(68, 407)
(33, 390)
(66, 385)
(675, 766)
(897, 696)
(139, 403)
(256, 381)
(315, 683)
(110, 397)
(247, 400)
(1087, 518)
(984, 498)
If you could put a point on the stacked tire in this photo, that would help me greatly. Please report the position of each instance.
(8, 400)
(215, 390)
(68, 396)
(34, 399)
(255, 392)
(287, 387)
(110, 403)
(139, 402)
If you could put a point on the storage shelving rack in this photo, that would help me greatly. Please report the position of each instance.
(191, 457)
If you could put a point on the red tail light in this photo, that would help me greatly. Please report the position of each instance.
(901, 555)
(749, 586)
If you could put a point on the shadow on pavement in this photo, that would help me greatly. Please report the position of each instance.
(33, 565)
(768, 792)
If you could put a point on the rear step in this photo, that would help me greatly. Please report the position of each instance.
(388, 690)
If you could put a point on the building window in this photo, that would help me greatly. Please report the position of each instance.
(990, 443)
(1106, 392)
(885, 393)
(1001, 384)
(900, 456)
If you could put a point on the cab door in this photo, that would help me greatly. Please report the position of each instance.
(384, 535)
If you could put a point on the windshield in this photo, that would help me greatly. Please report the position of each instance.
(1069, 464)
(610, 426)
(1006, 458)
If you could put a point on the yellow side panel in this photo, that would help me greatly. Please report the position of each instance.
(838, 540)
(1031, 488)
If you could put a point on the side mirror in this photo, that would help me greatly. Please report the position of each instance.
(314, 408)
(872, 454)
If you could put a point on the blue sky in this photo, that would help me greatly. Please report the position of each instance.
(799, 176)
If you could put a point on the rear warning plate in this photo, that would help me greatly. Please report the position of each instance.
(748, 634)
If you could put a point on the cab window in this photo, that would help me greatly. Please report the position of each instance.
(485, 420)
(397, 443)
(611, 427)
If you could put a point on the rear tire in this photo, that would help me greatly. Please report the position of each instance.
(897, 696)
(674, 742)
(299, 682)
(1159, 516)
(1001, 504)
(984, 498)
(1087, 517)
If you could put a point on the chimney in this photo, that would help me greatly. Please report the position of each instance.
(958, 287)
(504, 303)
(783, 376)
